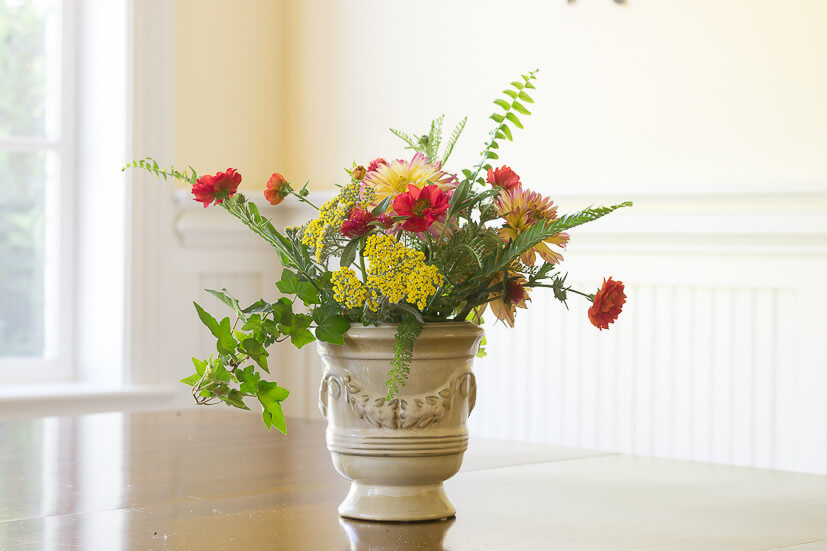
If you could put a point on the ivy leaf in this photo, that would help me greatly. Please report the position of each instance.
(220, 373)
(224, 297)
(299, 334)
(330, 325)
(192, 379)
(207, 319)
(236, 399)
(257, 352)
(249, 378)
(258, 306)
(226, 342)
(289, 283)
(270, 396)
(308, 293)
(200, 366)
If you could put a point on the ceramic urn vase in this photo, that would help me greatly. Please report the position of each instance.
(398, 453)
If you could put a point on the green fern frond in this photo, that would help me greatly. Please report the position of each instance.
(151, 165)
(412, 143)
(452, 141)
(541, 232)
(405, 337)
(434, 138)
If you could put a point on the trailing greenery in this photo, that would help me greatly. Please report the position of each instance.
(405, 337)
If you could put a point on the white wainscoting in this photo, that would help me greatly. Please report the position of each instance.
(720, 354)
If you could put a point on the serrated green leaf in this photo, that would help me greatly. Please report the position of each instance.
(513, 118)
(502, 103)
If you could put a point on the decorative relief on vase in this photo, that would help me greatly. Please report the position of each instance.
(411, 411)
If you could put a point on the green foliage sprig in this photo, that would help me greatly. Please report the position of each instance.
(405, 337)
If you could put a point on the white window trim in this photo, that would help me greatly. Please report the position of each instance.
(57, 362)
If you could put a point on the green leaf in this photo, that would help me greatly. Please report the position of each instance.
(517, 85)
(510, 93)
(224, 297)
(219, 373)
(301, 337)
(330, 325)
(207, 319)
(308, 293)
(518, 107)
(525, 97)
(226, 342)
(492, 155)
(270, 396)
(258, 306)
(507, 131)
(497, 117)
(192, 379)
(502, 103)
(236, 399)
(275, 418)
(289, 283)
(382, 207)
(513, 118)
(257, 352)
(349, 253)
(200, 366)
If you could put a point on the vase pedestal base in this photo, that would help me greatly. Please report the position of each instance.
(396, 503)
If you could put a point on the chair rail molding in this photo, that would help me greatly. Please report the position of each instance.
(720, 354)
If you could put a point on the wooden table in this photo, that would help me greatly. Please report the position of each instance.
(214, 479)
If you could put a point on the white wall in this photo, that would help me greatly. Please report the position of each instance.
(709, 114)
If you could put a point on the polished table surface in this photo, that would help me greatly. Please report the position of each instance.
(214, 479)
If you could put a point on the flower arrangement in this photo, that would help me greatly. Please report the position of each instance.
(406, 242)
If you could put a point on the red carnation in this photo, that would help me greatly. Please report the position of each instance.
(216, 188)
(608, 302)
(376, 163)
(503, 177)
(358, 223)
(421, 206)
(276, 189)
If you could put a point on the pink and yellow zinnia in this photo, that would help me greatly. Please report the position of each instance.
(521, 209)
(393, 178)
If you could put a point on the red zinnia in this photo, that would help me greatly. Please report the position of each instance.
(421, 206)
(358, 223)
(216, 188)
(503, 177)
(376, 163)
(608, 302)
(276, 189)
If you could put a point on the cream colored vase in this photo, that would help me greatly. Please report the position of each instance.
(397, 454)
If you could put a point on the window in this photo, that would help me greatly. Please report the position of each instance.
(35, 203)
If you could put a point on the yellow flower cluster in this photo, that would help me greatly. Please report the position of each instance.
(329, 221)
(347, 289)
(395, 272)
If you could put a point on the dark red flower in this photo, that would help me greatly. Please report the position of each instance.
(385, 220)
(358, 223)
(503, 177)
(421, 206)
(376, 163)
(608, 302)
(216, 188)
(276, 189)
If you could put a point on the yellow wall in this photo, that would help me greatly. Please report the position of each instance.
(229, 91)
(656, 94)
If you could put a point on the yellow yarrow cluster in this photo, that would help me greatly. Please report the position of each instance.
(395, 272)
(329, 221)
(347, 289)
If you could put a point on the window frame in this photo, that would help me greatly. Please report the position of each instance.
(57, 361)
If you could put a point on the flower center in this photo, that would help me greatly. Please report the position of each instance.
(419, 207)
